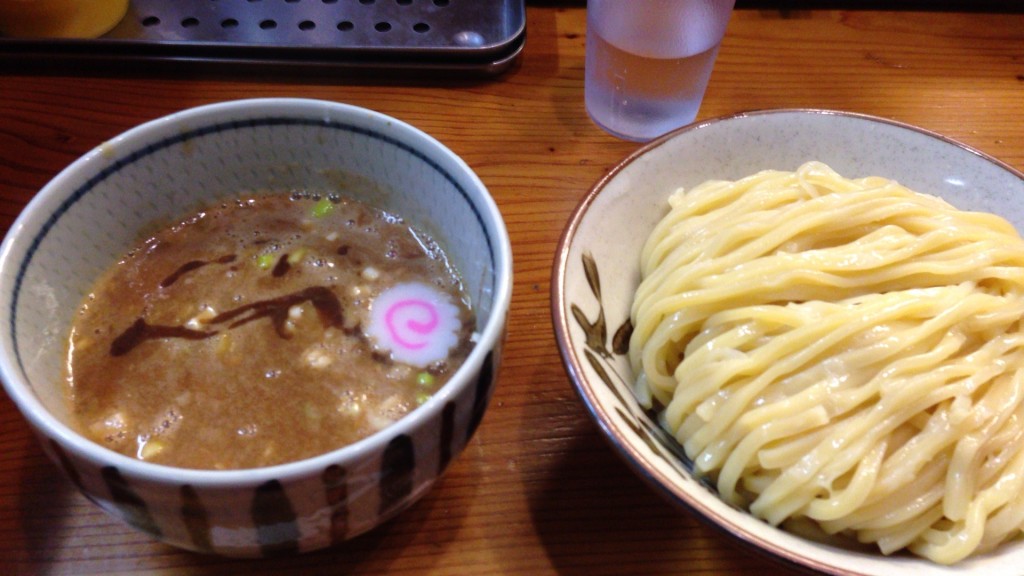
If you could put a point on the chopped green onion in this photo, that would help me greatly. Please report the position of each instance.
(265, 261)
(425, 379)
(296, 256)
(322, 208)
(422, 397)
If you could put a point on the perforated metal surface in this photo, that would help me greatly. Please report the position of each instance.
(364, 24)
(461, 34)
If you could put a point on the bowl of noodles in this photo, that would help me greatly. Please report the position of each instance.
(804, 326)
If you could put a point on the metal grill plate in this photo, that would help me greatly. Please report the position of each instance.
(479, 35)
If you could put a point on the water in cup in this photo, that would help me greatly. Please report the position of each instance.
(648, 62)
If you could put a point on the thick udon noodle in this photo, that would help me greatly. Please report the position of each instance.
(842, 350)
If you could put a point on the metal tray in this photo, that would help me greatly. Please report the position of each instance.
(482, 36)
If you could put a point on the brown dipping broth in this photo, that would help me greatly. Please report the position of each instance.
(235, 338)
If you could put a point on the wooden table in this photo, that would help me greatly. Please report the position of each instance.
(537, 491)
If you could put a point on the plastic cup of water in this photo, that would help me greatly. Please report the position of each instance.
(648, 62)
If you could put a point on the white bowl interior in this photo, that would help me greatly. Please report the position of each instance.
(93, 212)
(612, 223)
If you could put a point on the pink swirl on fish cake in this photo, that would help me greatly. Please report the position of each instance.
(404, 327)
(415, 322)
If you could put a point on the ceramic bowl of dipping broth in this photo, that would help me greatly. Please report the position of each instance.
(91, 213)
(597, 271)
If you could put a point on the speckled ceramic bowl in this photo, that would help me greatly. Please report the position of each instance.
(596, 272)
(93, 211)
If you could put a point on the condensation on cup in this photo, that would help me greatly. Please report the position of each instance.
(648, 62)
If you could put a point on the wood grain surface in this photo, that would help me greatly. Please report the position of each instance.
(538, 490)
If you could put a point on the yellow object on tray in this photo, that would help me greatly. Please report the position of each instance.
(60, 18)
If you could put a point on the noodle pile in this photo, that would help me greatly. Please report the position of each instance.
(846, 351)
